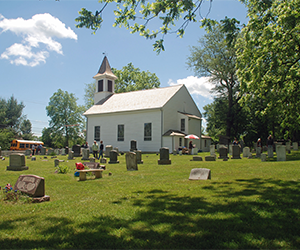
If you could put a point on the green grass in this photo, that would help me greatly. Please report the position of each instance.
(247, 204)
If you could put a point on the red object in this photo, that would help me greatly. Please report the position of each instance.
(192, 137)
(79, 166)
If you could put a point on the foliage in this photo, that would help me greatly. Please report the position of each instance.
(216, 57)
(268, 64)
(129, 79)
(47, 138)
(173, 17)
(6, 137)
(63, 169)
(66, 117)
(11, 195)
(25, 126)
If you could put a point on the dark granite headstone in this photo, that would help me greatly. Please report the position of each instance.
(32, 185)
(224, 140)
(236, 151)
(200, 174)
(164, 156)
(223, 152)
(113, 155)
(77, 150)
(16, 162)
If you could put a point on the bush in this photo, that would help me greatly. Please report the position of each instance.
(62, 169)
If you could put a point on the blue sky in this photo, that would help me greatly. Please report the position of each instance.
(42, 51)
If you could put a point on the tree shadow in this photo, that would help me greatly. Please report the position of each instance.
(167, 221)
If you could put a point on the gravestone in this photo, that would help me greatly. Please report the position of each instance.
(56, 163)
(250, 156)
(263, 157)
(200, 174)
(174, 152)
(212, 150)
(197, 158)
(77, 150)
(28, 152)
(133, 146)
(32, 185)
(71, 155)
(236, 151)
(195, 151)
(139, 157)
(113, 155)
(117, 149)
(103, 160)
(164, 156)
(223, 152)
(43, 151)
(50, 151)
(131, 162)
(270, 152)
(295, 146)
(258, 152)
(92, 159)
(288, 146)
(85, 154)
(281, 152)
(67, 150)
(33, 158)
(16, 162)
(230, 149)
(246, 151)
(63, 151)
(210, 158)
(108, 148)
(224, 140)
(218, 147)
(56, 151)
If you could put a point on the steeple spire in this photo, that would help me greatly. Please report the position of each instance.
(105, 69)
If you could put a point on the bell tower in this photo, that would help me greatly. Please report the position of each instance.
(105, 81)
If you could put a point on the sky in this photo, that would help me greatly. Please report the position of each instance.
(42, 51)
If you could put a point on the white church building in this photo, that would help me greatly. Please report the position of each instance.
(154, 118)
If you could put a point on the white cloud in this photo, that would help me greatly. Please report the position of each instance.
(41, 29)
(196, 86)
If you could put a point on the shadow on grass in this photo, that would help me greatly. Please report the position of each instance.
(269, 219)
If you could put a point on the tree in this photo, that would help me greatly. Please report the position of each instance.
(173, 16)
(216, 57)
(25, 126)
(6, 137)
(66, 117)
(269, 64)
(129, 79)
(10, 113)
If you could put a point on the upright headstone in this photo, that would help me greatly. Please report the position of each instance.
(230, 149)
(28, 152)
(85, 154)
(281, 153)
(43, 151)
(258, 152)
(270, 152)
(32, 185)
(50, 151)
(71, 155)
(164, 157)
(223, 152)
(200, 174)
(197, 158)
(133, 146)
(236, 151)
(263, 157)
(108, 148)
(56, 163)
(113, 155)
(212, 150)
(295, 146)
(139, 157)
(77, 150)
(246, 151)
(174, 152)
(16, 162)
(63, 151)
(288, 146)
(131, 162)
(56, 151)
(211, 158)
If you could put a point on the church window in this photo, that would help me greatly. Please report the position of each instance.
(180, 142)
(147, 131)
(100, 85)
(97, 133)
(121, 132)
(109, 86)
(182, 125)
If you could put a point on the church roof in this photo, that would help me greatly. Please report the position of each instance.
(135, 100)
(105, 69)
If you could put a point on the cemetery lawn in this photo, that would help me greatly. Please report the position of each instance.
(247, 204)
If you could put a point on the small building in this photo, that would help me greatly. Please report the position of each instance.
(205, 143)
(155, 118)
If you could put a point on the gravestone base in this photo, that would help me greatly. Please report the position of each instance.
(197, 158)
(210, 158)
(21, 168)
(164, 162)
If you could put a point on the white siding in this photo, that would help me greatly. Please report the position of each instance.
(134, 129)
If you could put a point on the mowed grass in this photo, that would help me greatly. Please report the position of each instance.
(247, 204)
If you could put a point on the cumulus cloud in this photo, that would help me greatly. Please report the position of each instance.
(196, 86)
(38, 34)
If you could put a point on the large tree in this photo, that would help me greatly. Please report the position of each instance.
(129, 79)
(269, 63)
(215, 56)
(66, 116)
(10, 113)
(171, 16)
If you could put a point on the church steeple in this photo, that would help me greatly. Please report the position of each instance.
(105, 81)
